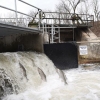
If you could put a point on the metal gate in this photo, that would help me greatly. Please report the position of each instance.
(63, 55)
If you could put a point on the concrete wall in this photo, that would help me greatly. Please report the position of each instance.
(84, 35)
(93, 53)
(89, 39)
(22, 42)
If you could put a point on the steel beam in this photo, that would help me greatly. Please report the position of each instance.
(30, 5)
(19, 28)
(16, 11)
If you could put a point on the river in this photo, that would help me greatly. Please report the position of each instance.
(20, 79)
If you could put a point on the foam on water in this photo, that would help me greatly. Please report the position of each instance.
(83, 82)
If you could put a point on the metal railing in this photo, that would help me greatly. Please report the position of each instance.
(55, 18)
(67, 19)
(16, 21)
(12, 21)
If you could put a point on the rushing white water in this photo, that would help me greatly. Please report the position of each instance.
(20, 79)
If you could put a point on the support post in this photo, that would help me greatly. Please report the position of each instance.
(59, 18)
(16, 13)
(52, 33)
(59, 34)
(73, 34)
(43, 28)
(39, 19)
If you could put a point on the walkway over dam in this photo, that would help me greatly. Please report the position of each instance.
(44, 22)
(10, 29)
(41, 21)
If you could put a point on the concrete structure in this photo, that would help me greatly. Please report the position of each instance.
(22, 42)
(48, 27)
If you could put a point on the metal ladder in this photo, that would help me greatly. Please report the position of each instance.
(55, 34)
(53, 31)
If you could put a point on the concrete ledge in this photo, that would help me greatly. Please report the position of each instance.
(22, 42)
(8, 29)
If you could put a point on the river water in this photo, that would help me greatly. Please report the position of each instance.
(21, 80)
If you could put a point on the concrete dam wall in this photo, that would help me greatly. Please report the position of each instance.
(91, 41)
(22, 42)
(34, 42)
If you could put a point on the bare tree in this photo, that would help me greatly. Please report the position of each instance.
(84, 8)
(68, 5)
(63, 7)
(95, 5)
(74, 4)
(34, 14)
(8, 18)
(37, 16)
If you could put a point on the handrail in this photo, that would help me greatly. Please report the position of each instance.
(67, 18)
(12, 18)
(68, 14)
(15, 11)
(30, 5)
(39, 12)
(59, 18)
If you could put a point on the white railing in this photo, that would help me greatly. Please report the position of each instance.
(12, 21)
(21, 21)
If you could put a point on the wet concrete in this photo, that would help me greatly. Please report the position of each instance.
(22, 42)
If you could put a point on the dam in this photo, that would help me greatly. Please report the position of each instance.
(49, 32)
(49, 56)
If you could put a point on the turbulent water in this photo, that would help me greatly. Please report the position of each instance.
(32, 76)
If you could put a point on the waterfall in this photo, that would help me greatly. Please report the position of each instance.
(21, 71)
(33, 76)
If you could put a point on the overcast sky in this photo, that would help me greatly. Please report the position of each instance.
(43, 4)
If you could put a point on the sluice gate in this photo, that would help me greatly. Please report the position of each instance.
(63, 55)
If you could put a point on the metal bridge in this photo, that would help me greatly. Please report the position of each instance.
(16, 25)
(43, 22)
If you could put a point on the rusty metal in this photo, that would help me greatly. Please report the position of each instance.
(66, 18)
